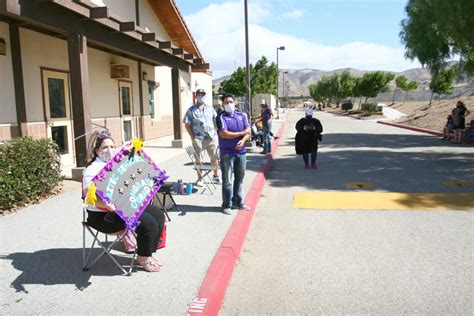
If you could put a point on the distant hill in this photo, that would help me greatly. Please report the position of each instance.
(299, 80)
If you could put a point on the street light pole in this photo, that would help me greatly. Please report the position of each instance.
(278, 73)
(284, 72)
(247, 68)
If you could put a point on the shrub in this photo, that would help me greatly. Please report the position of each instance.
(347, 105)
(28, 169)
(369, 107)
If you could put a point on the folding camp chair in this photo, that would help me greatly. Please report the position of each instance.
(167, 190)
(203, 170)
(105, 247)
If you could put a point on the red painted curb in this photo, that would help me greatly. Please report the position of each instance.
(211, 293)
(416, 129)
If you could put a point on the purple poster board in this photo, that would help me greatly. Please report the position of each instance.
(129, 180)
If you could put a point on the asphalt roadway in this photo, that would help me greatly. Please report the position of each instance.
(300, 261)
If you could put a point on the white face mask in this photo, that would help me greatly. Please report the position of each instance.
(229, 107)
(201, 98)
(107, 154)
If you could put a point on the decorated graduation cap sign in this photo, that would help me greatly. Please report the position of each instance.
(129, 181)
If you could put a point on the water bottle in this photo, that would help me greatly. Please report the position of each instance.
(180, 186)
(189, 188)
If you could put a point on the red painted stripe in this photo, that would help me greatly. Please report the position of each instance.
(417, 129)
(213, 287)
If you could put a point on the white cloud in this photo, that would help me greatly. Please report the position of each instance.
(295, 14)
(220, 35)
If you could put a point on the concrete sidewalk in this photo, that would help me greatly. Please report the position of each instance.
(41, 252)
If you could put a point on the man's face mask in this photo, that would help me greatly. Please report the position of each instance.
(106, 154)
(229, 107)
(200, 98)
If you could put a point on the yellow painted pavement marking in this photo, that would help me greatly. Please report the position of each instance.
(360, 185)
(458, 184)
(383, 201)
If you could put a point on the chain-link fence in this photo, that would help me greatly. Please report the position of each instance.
(424, 94)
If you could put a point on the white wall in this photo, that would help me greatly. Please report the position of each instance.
(201, 80)
(164, 93)
(186, 93)
(104, 97)
(7, 90)
(126, 10)
(38, 50)
(149, 19)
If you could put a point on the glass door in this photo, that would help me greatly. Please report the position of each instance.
(58, 113)
(126, 109)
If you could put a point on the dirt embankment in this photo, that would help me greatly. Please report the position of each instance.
(420, 114)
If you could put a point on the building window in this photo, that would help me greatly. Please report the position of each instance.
(151, 98)
(57, 100)
(126, 108)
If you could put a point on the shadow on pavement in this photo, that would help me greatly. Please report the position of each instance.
(58, 266)
(386, 141)
(187, 208)
(394, 163)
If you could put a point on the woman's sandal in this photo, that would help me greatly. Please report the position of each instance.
(149, 264)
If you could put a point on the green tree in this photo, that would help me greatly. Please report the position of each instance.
(356, 91)
(442, 82)
(408, 86)
(374, 82)
(262, 79)
(400, 82)
(335, 87)
(437, 30)
(347, 84)
(236, 84)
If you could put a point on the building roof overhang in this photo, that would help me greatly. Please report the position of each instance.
(172, 20)
(102, 28)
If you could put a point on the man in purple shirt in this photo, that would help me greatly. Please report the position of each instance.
(234, 131)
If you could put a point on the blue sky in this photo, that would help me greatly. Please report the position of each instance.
(321, 34)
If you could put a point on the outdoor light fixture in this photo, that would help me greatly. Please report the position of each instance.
(3, 47)
(144, 76)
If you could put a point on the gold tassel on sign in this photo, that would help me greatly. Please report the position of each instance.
(137, 144)
(91, 198)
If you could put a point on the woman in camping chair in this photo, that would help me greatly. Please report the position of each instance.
(103, 218)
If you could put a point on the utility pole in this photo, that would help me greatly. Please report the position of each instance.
(247, 68)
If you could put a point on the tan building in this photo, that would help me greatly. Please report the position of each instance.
(68, 66)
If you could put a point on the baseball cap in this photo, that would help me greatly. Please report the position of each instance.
(309, 111)
(200, 91)
(263, 102)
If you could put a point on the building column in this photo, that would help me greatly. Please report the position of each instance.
(18, 80)
(141, 128)
(177, 116)
(79, 71)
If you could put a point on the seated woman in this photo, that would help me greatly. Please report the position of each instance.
(101, 150)
(448, 128)
(257, 135)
